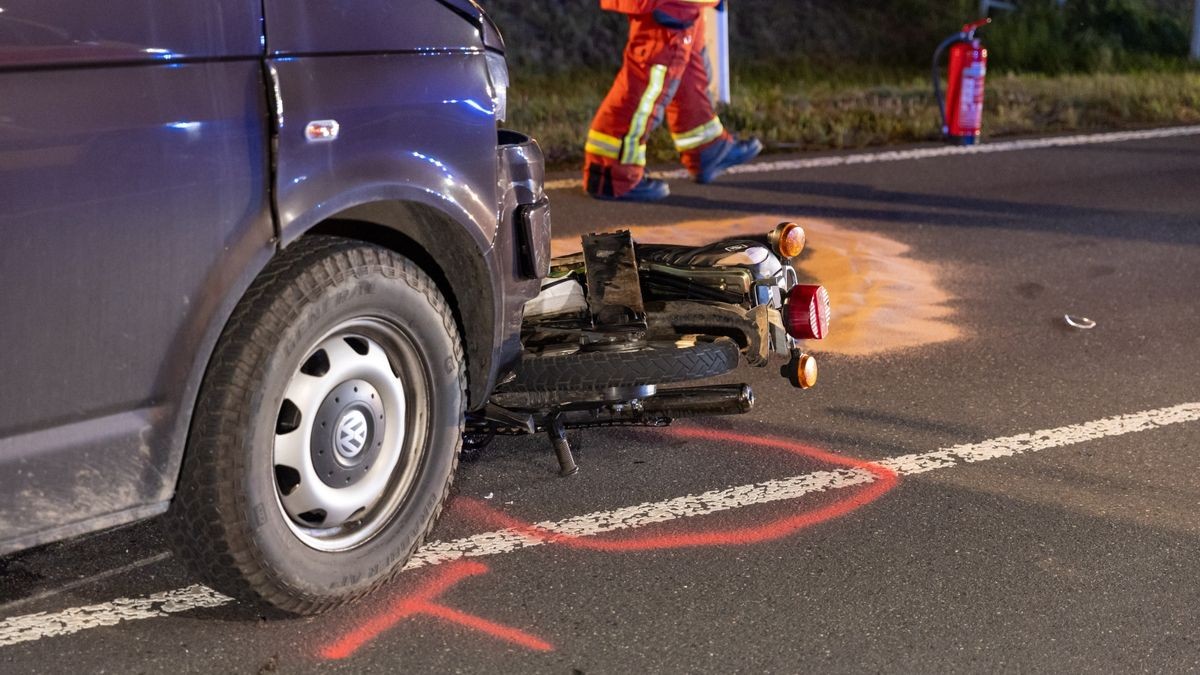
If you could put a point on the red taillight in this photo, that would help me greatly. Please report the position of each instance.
(806, 314)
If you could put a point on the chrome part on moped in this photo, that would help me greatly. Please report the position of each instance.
(629, 393)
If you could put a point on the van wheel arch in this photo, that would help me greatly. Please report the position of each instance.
(436, 243)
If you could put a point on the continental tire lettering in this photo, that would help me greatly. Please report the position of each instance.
(259, 516)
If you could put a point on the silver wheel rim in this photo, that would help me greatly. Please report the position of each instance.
(349, 436)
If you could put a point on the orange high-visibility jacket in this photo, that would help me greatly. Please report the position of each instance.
(648, 6)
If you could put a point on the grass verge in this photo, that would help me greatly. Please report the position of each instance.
(798, 112)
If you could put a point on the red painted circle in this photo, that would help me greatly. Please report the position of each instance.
(885, 480)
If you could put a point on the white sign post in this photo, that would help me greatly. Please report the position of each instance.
(1196, 32)
(723, 50)
(717, 38)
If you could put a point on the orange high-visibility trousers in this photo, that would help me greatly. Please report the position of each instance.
(665, 70)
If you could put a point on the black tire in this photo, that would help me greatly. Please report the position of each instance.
(229, 521)
(656, 363)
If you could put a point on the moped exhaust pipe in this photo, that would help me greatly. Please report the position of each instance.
(725, 399)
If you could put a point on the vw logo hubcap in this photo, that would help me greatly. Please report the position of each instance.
(351, 434)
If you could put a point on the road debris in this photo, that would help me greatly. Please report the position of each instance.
(1080, 322)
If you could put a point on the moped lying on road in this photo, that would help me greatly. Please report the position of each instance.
(617, 321)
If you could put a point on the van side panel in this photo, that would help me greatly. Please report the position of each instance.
(133, 193)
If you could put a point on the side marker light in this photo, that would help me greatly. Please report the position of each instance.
(318, 131)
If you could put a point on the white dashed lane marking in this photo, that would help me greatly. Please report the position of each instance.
(926, 153)
(18, 629)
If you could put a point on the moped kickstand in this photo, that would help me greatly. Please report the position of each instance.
(562, 448)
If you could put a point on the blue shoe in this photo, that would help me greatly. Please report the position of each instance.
(648, 190)
(718, 157)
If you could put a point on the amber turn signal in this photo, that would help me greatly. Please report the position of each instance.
(801, 371)
(788, 239)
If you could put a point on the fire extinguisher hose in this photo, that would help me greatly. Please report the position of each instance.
(937, 76)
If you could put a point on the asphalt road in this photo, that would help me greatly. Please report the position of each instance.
(1076, 548)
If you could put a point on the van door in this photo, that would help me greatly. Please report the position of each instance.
(134, 177)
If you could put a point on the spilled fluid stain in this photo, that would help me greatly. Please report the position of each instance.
(882, 299)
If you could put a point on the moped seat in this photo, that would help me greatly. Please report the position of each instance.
(733, 252)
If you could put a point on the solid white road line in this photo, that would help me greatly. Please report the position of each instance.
(926, 153)
(71, 585)
(29, 627)
(49, 624)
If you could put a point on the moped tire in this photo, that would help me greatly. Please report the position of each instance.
(655, 363)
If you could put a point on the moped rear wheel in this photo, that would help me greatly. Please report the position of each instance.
(649, 364)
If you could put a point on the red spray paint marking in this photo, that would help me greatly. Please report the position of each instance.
(422, 602)
(768, 531)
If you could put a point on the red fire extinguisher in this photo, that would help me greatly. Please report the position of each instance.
(962, 109)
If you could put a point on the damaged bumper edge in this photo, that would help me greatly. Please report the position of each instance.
(522, 179)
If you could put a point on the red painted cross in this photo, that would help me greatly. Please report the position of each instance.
(423, 602)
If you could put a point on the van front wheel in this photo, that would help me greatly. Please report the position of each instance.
(327, 431)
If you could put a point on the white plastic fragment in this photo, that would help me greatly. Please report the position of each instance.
(1080, 322)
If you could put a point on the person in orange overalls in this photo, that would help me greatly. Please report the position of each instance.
(665, 69)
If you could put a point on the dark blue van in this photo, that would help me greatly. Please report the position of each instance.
(259, 258)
